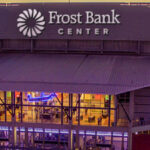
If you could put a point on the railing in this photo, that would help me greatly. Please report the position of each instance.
(141, 123)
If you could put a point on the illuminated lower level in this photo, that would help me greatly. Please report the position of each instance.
(61, 120)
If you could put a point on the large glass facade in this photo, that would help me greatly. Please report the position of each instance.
(70, 112)
(57, 108)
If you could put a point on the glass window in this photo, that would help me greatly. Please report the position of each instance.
(124, 98)
(8, 97)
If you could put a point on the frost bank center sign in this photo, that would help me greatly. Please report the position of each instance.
(31, 22)
(96, 21)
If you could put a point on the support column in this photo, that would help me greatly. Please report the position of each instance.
(21, 114)
(79, 109)
(14, 129)
(33, 137)
(85, 140)
(43, 138)
(70, 140)
(19, 136)
(131, 114)
(5, 99)
(116, 106)
(122, 143)
(70, 137)
(109, 112)
(77, 139)
(77, 131)
(59, 139)
(26, 137)
(111, 140)
(9, 136)
(62, 113)
(15, 136)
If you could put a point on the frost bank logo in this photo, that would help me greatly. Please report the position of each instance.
(31, 23)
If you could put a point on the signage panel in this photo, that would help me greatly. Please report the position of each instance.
(81, 21)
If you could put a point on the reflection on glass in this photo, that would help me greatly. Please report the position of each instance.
(94, 117)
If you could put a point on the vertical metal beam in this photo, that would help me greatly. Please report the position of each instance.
(71, 102)
(14, 131)
(77, 130)
(21, 97)
(62, 114)
(5, 99)
(116, 106)
(79, 109)
(109, 110)
(13, 105)
(70, 138)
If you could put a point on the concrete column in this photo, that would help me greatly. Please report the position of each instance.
(131, 115)
(9, 136)
(85, 141)
(59, 139)
(14, 136)
(26, 137)
(70, 140)
(122, 143)
(111, 140)
(77, 140)
(33, 138)
(43, 138)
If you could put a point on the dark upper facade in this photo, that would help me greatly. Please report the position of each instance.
(110, 40)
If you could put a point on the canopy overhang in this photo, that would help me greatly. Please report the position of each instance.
(74, 73)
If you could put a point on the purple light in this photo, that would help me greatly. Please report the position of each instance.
(39, 130)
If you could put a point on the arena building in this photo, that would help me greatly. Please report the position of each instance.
(74, 91)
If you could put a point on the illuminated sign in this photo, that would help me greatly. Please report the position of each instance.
(43, 97)
(91, 18)
(31, 22)
(75, 21)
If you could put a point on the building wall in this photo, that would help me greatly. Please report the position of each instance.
(142, 104)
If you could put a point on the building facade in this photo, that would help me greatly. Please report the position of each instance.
(74, 76)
